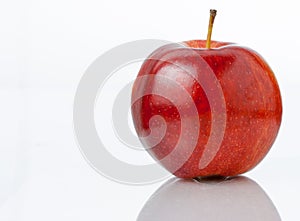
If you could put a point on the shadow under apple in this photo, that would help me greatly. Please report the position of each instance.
(238, 198)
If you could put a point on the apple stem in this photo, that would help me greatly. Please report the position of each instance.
(212, 16)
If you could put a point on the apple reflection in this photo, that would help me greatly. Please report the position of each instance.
(238, 198)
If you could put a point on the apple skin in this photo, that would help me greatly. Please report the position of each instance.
(252, 111)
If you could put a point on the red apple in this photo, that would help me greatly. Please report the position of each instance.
(206, 108)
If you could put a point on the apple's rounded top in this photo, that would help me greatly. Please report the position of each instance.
(201, 44)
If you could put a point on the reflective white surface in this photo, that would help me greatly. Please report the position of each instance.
(238, 198)
(45, 46)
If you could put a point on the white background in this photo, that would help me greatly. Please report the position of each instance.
(45, 47)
